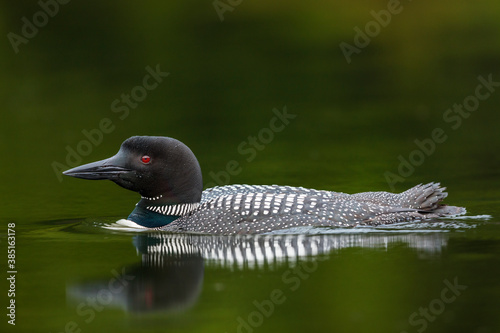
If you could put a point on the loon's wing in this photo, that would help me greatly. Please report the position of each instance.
(423, 197)
(263, 208)
(218, 191)
(264, 212)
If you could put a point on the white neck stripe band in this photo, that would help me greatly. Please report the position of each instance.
(177, 210)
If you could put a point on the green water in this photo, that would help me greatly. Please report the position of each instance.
(385, 121)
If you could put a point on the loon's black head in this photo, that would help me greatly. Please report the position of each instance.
(154, 166)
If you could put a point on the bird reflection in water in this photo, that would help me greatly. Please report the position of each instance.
(169, 277)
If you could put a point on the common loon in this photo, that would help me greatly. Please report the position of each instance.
(168, 177)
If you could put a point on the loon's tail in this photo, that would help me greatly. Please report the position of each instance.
(427, 199)
(425, 196)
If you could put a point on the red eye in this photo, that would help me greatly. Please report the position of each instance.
(146, 159)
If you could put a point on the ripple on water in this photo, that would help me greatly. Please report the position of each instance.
(415, 226)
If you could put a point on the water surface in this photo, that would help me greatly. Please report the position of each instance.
(367, 125)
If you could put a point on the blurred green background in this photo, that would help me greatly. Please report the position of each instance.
(353, 120)
(226, 76)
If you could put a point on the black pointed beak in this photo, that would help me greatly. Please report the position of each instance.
(110, 168)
